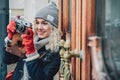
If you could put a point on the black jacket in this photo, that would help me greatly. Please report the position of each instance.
(40, 69)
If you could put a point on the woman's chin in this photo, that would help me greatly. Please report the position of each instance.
(41, 36)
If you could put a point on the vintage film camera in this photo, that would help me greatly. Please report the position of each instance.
(21, 24)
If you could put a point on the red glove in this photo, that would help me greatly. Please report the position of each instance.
(11, 28)
(28, 41)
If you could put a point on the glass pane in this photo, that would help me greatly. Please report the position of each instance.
(112, 29)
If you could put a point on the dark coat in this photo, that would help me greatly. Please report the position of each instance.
(39, 69)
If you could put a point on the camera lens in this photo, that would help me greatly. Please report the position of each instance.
(20, 28)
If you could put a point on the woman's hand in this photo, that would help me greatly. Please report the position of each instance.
(11, 28)
(28, 41)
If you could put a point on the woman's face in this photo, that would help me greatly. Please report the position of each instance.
(43, 28)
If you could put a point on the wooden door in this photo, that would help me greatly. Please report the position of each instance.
(76, 17)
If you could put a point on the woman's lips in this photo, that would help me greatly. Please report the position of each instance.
(41, 32)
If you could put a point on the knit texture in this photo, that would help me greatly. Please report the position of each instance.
(49, 13)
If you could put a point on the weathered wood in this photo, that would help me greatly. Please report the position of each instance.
(88, 13)
(90, 32)
(73, 38)
(65, 17)
(60, 15)
(78, 36)
(82, 18)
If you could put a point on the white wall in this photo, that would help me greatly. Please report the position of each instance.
(31, 6)
(26, 8)
(16, 4)
(16, 7)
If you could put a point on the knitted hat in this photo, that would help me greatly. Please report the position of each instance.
(49, 13)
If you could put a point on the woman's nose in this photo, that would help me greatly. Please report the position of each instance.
(40, 26)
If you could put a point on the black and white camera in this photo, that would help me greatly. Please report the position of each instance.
(22, 25)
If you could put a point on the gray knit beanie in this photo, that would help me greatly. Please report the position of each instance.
(49, 13)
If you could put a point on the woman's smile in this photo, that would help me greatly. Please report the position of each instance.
(41, 32)
(43, 28)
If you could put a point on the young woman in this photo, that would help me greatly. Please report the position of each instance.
(42, 59)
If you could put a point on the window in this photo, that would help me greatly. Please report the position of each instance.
(108, 27)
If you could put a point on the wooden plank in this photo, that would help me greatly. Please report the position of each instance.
(88, 13)
(90, 17)
(78, 37)
(73, 39)
(84, 71)
(65, 14)
(65, 17)
(90, 32)
(60, 14)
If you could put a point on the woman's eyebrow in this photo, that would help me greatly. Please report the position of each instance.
(36, 20)
(41, 21)
(44, 20)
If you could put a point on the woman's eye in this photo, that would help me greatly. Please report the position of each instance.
(37, 22)
(44, 23)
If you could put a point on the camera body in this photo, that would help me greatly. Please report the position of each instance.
(21, 24)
